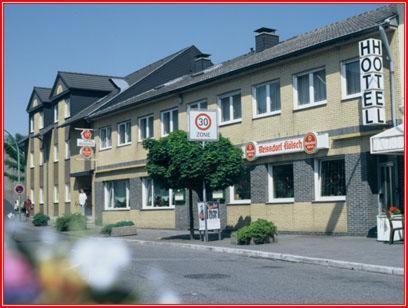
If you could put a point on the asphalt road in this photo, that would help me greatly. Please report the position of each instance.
(162, 273)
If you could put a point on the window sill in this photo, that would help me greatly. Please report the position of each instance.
(265, 115)
(239, 202)
(66, 158)
(124, 144)
(104, 149)
(118, 209)
(350, 97)
(302, 107)
(330, 199)
(230, 122)
(158, 208)
(282, 200)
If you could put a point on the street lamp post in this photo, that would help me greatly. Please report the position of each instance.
(17, 149)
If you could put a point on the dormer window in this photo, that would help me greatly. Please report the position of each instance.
(67, 107)
(35, 102)
(56, 113)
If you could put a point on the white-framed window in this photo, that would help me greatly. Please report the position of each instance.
(56, 199)
(146, 129)
(116, 194)
(350, 79)
(201, 104)
(32, 124)
(41, 120)
(105, 134)
(240, 193)
(309, 89)
(330, 179)
(32, 196)
(67, 108)
(280, 183)
(155, 196)
(41, 160)
(67, 193)
(55, 152)
(169, 121)
(56, 113)
(67, 150)
(230, 107)
(266, 99)
(31, 160)
(124, 133)
(41, 197)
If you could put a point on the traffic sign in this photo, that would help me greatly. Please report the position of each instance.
(86, 134)
(86, 152)
(202, 125)
(19, 189)
(86, 142)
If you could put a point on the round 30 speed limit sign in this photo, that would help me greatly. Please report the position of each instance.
(202, 125)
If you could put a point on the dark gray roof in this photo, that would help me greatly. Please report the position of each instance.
(88, 81)
(358, 24)
(43, 94)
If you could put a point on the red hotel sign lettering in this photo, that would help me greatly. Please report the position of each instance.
(309, 143)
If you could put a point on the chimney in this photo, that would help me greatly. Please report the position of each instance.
(265, 38)
(201, 62)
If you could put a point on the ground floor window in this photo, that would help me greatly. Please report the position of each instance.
(116, 194)
(330, 179)
(280, 183)
(241, 192)
(156, 196)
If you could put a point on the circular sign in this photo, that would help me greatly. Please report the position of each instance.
(310, 143)
(202, 121)
(86, 134)
(250, 151)
(19, 189)
(86, 152)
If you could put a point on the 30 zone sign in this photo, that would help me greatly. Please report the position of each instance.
(202, 125)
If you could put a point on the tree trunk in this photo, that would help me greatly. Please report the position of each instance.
(191, 214)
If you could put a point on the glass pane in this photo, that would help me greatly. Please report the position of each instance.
(119, 190)
(275, 96)
(161, 196)
(194, 106)
(332, 175)
(303, 89)
(353, 77)
(225, 109)
(103, 138)
(149, 192)
(236, 104)
(143, 128)
(260, 93)
(203, 105)
(319, 85)
(175, 120)
(109, 137)
(121, 133)
(282, 181)
(166, 123)
(151, 131)
(242, 190)
(128, 132)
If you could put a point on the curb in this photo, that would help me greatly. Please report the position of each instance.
(389, 270)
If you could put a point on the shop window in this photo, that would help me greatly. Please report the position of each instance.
(67, 193)
(106, 137)
(266, 98)
(56, 113)
(31, 124)
(124, 133)
(55, 152)
(155, 196)
(330, 180)
(56, 199)
(67, 107)
(280, 183)
(169, 121)
(146, 129)
(310, 89)
(241, 192)
(116, 194)
(230, 108)
(202, 104)
(350, 79)
(41, 196)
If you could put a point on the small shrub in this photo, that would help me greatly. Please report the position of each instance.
(71, 222)
(244, 236)
(259, 231)
(107, 229)
(40, 220)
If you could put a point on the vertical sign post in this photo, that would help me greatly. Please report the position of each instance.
(372, 82)
(202, 126)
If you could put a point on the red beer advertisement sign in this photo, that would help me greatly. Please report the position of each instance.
(86, 152)
(310, 143)
(86, 134)
(250, 151)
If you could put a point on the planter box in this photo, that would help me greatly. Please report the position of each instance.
(124, 231)
(383, 228)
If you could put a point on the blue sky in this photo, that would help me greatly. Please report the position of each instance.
(117, 39)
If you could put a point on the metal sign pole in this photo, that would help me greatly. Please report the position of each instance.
(206, 209)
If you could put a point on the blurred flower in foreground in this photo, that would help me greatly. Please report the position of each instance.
(100, 260)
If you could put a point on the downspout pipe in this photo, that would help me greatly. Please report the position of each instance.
(384, 40)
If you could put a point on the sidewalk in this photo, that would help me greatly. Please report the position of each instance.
(353, 249)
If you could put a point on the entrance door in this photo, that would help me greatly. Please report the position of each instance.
(387, 193)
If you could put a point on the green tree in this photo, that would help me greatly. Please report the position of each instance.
(177, 163)
(11, 157)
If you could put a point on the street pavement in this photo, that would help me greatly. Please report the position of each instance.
(190, 276)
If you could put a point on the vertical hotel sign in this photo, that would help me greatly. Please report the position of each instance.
(372, 82)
